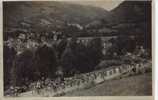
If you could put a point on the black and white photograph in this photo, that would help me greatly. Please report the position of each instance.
(74, 48)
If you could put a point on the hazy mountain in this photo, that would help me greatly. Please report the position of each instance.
(54, 14)
(129, 18)
(131, 11)
(133, 17)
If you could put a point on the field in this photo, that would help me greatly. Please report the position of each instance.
(138, 85)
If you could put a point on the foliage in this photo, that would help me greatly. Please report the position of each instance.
(121, 45)
(95, 51)
(78, 57)
(8, 56)
(61, 47)
(22, 70)
(45, 61)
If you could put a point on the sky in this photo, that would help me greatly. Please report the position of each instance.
(106, 4)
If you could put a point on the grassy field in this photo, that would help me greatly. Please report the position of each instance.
(139, 85)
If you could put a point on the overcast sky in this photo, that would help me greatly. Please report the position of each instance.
(106, 4)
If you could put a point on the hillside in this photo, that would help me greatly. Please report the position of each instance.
(131, 18)
(44, 14)
(129, 11)
(138, 85)
(128, 18)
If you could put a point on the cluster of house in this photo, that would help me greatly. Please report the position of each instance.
(58, 88)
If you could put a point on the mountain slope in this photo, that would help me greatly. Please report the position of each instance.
(132, 18)
(132, 11)
(49, 13)
(138, 85)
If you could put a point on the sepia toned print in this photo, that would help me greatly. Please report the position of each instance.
(77, 48)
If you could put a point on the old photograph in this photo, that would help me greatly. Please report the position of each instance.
(76, 48)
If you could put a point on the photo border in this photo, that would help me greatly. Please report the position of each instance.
(2, 97)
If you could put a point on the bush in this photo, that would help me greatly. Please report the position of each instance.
(109, 63)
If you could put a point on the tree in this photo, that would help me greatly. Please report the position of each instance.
(82, 59)
(94, 52)
(22, 71)
(8, 57)
(73, 43)
(61, 47)
(68, 61)
(78, 57)
(122, 44)
(45, 61)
